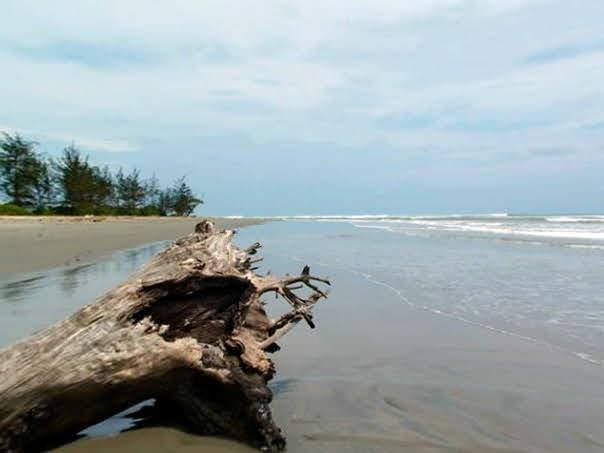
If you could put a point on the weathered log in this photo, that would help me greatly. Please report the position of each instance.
(189, 330)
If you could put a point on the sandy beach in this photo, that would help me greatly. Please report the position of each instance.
(31, 244)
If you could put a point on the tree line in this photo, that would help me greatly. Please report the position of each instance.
(71, 185)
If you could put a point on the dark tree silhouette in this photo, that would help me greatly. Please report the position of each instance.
(72, 185)
(18, 169)
(43, 185)
(182, 200)
(131, 191)
(76, 180)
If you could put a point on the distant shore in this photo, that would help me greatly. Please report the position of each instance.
(34, 243)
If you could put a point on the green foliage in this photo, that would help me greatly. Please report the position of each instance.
(42, 186)
(19, 165)
(11, 209)
(131, 191)
(82, 185)
(181, 200)
(71, 185)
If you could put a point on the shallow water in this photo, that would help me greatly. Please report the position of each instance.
(31, 302)
(437, 341)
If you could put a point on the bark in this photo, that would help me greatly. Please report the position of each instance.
(189, 330)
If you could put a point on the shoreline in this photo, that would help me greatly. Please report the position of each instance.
(37, 243)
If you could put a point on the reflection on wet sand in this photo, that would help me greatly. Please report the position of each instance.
(15, 290)
(35, 301)
(155, 440)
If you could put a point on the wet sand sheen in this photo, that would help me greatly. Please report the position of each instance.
(156, 440)
(35, 243)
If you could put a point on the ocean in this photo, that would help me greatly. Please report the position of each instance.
(441, 333)
(537, 277)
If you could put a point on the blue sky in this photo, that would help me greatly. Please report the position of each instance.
(331, 107)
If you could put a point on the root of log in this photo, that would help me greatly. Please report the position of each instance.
(189, 330)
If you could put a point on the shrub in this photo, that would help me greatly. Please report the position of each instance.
(11, 209)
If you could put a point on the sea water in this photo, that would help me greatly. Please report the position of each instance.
(539, 277)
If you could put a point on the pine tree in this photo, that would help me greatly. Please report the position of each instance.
(18, 167)
(130, 190)
(76, 179)
(43, 186)
(103, 188)
(183, 202)
(164, 202)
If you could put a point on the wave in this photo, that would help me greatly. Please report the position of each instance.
(558, 234)
(503, 216)
(575, 219)
(488, 226)
(490, 216)
(588, 228)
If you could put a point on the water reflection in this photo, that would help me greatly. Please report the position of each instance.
(37, 300)
(14, 291)
(74, 277)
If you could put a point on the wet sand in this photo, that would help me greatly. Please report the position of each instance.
(30, 244)
(393, 378)
(156, 440)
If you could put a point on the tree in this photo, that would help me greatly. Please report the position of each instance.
(18, 165)
(72, 185)
(130, 190)
(103, 187)
(43, 187)
(164, 202)
(182, 200)
(152, 191)
(77, 181)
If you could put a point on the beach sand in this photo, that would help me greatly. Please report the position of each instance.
(29, 244)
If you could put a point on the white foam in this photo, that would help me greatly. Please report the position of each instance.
(335, 217)
(584, 227)
(588, 358)
(386, 217)
(572, 219)
(499, 228)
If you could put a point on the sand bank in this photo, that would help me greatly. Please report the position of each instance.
(30, 244)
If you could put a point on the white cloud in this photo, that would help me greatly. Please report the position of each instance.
(299, 71)
(92, 144)
(86, 143)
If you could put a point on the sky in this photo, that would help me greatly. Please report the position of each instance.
(322, 107)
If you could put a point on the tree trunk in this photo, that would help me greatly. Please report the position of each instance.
(189, 329)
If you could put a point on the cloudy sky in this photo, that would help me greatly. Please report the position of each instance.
(330, 107)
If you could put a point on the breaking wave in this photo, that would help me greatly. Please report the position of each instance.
(578, 231)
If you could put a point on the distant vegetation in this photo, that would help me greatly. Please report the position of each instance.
(71, 185)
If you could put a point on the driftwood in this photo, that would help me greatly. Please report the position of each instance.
(189, 330)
